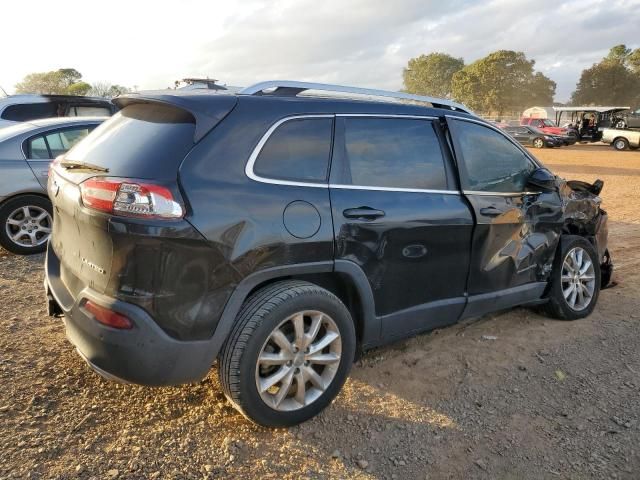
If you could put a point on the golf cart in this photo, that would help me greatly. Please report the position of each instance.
(587, 122)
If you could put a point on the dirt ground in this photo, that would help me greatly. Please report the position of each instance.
(545, 399)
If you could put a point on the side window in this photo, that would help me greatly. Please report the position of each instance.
(38, 148)
(298, 150)
(490, 162)
(61, 142)
(392, 153)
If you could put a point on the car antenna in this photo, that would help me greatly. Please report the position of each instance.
(5, 92)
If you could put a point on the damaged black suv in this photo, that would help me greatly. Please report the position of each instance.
(281, 230)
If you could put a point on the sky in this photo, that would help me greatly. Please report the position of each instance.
(364, 43)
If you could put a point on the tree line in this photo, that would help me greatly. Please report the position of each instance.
(67, 81)
(507, 81)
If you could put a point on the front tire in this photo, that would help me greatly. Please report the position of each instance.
(538, 142)
(288, 355)
(25, 224)
(575, 280)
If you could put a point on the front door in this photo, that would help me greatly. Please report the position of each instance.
(517, 229)
(398, 214)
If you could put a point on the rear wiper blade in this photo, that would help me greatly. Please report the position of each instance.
(83, 166)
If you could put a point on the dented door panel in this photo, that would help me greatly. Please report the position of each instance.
(514, 239)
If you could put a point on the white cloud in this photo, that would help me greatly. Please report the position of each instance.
(361, 42)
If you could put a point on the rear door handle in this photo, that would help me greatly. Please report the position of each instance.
(364, 213)
(490, 211)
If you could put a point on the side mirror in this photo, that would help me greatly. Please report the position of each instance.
(543, 179)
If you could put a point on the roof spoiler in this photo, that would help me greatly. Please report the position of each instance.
(207, 110)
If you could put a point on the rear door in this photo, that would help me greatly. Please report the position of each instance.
(517, 229)
(398, 214)
(42, 149)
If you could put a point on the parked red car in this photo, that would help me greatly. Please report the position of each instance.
(544, 124)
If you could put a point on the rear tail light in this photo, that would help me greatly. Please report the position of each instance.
(130, 198)
(108, 317)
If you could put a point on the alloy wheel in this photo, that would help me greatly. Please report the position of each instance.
(538, 143)
(29, 226)
(298, 361)
(578, 279)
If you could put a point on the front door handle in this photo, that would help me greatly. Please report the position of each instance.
(490, 211)
(363, 213)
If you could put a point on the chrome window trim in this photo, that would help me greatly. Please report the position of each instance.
(258, 148)
(392, 189)
(498, 194)
(386, 115)
(248, 169)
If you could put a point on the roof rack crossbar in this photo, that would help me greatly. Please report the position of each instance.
(292, 88)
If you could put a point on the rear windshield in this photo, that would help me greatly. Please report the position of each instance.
(30, 111)
(140, 141)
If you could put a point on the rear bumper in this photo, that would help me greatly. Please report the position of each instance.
(144, 354)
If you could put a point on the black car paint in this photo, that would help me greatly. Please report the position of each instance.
(527, 138)
(432, 259)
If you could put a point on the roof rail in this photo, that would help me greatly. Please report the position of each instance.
(293, 88)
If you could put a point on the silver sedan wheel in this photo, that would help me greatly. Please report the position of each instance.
(578, 279)
(29, 226)
(298, 361)
(538, 143)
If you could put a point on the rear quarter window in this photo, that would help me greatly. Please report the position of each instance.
(298, 150)
(140, 141)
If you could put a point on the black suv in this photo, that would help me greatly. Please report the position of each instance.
(281, 234)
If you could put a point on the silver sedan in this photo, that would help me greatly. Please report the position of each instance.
(26, 149)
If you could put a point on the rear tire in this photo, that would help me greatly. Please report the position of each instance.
(25, 224)
(620, 144)
(575, 280)
(277, 336)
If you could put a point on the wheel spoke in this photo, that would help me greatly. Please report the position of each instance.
(282, 341)
(284, 388)
(568, 265)
(585, 267)
(281, 358)
(572, 296)
(298, 325)
(567, 278)
(314, 378)
(324, 342)
(42, 216)
(580, 294)
(13, 221)
(267, 383)
(323, 358)
(26, 213)
(44, 229)
(587, 278)
(301, 389)
(314, 328)
(17, 236)
(568, 291)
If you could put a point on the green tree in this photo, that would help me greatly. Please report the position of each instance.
(500, 82)
(107, 90)
(65, 81)
(431, 74)
(615, 80)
